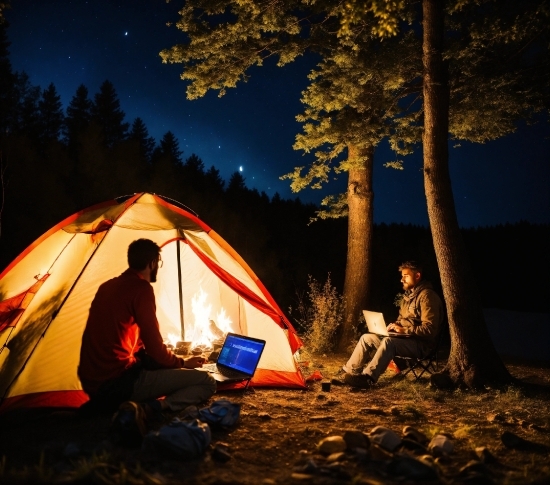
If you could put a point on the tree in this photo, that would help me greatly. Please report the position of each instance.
(78, 117)
(51, 116)
(8, 101)
(255, 31)
(473, 360)
(467, 92)
(140, 134)
(107, 114)
(352, 104)
(25, 121)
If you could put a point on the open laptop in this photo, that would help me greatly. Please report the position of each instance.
(377, 325)
(238, 359)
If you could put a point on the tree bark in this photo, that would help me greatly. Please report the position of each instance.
(473, 360)
(360, 223)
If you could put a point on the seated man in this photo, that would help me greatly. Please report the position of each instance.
(123, 356)
(420, 315)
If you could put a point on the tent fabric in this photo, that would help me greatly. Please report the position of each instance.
(48, 289)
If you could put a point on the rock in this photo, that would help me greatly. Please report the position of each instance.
(356, 439)
(395, 411)
(492, 417)
(440, 445)
(475, 472)
(377, 453)
(385, 438)
(334, 457)
(511, 440)
(301, 476)
(321, 418)
(412, 469)
(309, 467)
(485, 456)
(413, 434)
(221, 453)
(374, 410)
(361, 453)
(413, 446)
(331, 444)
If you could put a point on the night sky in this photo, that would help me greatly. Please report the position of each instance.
(252, 128)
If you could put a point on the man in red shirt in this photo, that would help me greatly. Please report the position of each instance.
(123, 356)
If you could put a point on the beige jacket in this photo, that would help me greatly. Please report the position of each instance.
(421, 313)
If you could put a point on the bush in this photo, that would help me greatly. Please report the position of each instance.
(320, 313)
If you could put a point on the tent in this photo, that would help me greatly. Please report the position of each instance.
(46, 292)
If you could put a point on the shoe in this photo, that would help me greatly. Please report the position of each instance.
(362, 381)
(153, 413)
(128, 425)
(338, 378)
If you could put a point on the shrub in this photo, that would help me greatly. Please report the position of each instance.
(320, 313)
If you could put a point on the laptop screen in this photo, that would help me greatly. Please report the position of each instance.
(241, 353)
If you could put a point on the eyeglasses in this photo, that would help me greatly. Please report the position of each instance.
(160, 263)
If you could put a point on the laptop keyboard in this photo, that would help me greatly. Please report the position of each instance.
(223, 371)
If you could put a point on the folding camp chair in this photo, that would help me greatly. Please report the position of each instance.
(427, 363)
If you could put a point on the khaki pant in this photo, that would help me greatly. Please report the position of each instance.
(373, 354)
(181, 387)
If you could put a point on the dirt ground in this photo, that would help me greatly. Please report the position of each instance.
(276, 438)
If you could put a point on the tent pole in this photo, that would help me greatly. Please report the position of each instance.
(180, 292)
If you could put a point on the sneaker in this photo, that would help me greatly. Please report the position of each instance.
(362, 381)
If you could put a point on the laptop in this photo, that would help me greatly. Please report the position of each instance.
(377, 325)
(238, 359)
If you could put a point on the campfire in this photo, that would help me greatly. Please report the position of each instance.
(207, 332)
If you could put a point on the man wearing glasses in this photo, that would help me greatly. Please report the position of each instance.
(123, 356)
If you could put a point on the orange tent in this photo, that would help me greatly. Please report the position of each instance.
(46, 293)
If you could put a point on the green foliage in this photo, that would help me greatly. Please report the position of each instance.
(320, 315)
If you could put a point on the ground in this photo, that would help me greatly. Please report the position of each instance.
(276, 438)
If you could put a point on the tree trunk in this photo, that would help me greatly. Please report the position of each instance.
(360, 222)
(473, 359)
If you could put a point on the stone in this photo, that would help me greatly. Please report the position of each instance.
(356, 439)
(221, 453)
(335, 457)
(410, 468)
(511, 440)
(413, 446)
(302, 476)
(385, 438)
(492, 417)
(374, 410)
(395, 411)
(377, 453)
(413, 434)
(331, 444)
(440, 445)
(485, 456)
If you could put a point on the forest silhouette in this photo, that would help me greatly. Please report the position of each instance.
(56, 161)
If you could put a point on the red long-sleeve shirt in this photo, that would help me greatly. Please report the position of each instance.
(122, 320)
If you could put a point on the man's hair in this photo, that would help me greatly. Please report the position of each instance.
(413, 266)
(141, 252)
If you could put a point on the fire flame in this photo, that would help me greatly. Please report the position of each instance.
(173, 339)
(205, 330)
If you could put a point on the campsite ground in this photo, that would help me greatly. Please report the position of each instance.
(275, 440)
